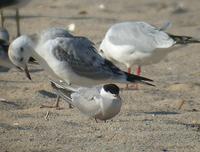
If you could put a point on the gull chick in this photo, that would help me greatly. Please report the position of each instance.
(139, 43)
(100, 102)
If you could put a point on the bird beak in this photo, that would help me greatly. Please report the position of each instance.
(19, 68)
(27, 72)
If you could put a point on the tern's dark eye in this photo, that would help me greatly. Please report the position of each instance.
(21, 59)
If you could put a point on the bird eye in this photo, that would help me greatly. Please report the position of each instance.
(22, 49)
(101, 51)
(21, 59)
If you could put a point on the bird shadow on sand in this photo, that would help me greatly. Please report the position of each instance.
(4, 69)
(12, 127)
(47, 93)
(162, 113)
(10, 103)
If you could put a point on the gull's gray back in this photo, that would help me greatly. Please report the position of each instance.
(141, 35)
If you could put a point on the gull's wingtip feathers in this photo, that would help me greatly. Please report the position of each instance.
(184, 39)
(139, 79)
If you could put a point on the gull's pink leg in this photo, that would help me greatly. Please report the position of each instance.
(139, 71)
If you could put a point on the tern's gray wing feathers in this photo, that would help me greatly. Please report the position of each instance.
(86, 100)
(82, 57)
(140, 35)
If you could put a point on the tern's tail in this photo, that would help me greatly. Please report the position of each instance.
(138, 79)
(184, 39)
(62, 91)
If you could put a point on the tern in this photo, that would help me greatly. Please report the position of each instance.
(99, 102)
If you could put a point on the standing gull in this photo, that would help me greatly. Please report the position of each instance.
(139, 43)
(100, 102)
(13, 4)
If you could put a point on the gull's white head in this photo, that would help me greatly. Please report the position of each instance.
(110, 91)
(20, 51)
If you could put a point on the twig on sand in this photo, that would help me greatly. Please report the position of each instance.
(181, 104)
(47, 115)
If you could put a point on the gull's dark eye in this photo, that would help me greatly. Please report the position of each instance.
(21, 59)
(22, 49)
(101, 51)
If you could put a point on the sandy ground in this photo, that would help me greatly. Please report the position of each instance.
(150, 119)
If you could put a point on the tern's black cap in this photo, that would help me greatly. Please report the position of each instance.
(112, 88)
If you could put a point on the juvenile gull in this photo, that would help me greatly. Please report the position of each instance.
(100, 102)
(13, 4)
(139, 43)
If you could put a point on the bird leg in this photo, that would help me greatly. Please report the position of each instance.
(96, 120)
(129, 72)
(135, 86)
(138, 72)
(53, 106)
(2, 19)
(70, 106)
(18, 22)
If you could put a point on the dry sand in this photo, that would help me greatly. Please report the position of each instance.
(150, 119)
